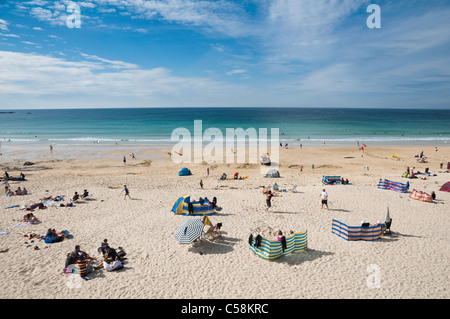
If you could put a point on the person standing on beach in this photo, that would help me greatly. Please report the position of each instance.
(6, 186)
(127, 192)
(124, 160)
(268, 200)
(51, 148)
(324, 197)
(201, 184)
(207, 171)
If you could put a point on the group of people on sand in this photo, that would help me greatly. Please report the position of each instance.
(76, 196)
(84, 263)
(410, 173)
(19, 191)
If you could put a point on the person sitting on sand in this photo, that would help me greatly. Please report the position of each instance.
(85, 194)
(75, 197)
(115, 264)
(24, 191)
(280, 235)
(71, 259)
(79, 252)
(275, 187)
(103, 245)
(216, 233)
(110, 254)
(9, 193)
(30, 218)
(84, 265)
(18, 191)
(51, 233)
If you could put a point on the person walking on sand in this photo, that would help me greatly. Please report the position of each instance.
(124, 160)
(127, 192)
(324, 197)
(201, 184)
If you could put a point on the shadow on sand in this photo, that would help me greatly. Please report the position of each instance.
(301, 257)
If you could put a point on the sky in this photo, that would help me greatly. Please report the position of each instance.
(223, 53)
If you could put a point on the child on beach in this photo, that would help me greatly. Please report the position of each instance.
(268, 200)
(127, 192)
(324, 197)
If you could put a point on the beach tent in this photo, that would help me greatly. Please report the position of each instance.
(181, 207)
(351, 233)
(331, 180)
(272, 249)
(445, 187)
(422, 196)
(273, 173)
(394, 186)
(185, 172)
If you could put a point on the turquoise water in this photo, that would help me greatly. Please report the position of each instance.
(296, 125)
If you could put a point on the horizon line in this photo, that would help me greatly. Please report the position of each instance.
(226, 107)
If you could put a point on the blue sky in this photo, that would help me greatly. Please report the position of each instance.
(169, 53)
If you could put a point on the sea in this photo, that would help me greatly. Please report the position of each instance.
(297, 127)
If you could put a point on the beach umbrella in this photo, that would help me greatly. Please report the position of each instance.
(189, 231)
(388, 217)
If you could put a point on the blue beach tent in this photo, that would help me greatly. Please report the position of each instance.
(185, 172)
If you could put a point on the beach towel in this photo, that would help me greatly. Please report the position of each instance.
(4, 233)
(23, 224)
(48, 239)
(49, 202)
(12, 206)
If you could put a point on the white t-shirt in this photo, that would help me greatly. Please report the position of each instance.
(116, 264)
(324, 195)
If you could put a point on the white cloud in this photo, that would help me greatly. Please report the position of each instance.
(32, 78)
(3, 25)
(10, 35)
(236, 71)
(110, 63)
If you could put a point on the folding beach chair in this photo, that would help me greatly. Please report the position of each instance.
(294, 189)
(387, 230)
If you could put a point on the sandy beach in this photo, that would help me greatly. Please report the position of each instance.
(413, 261)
